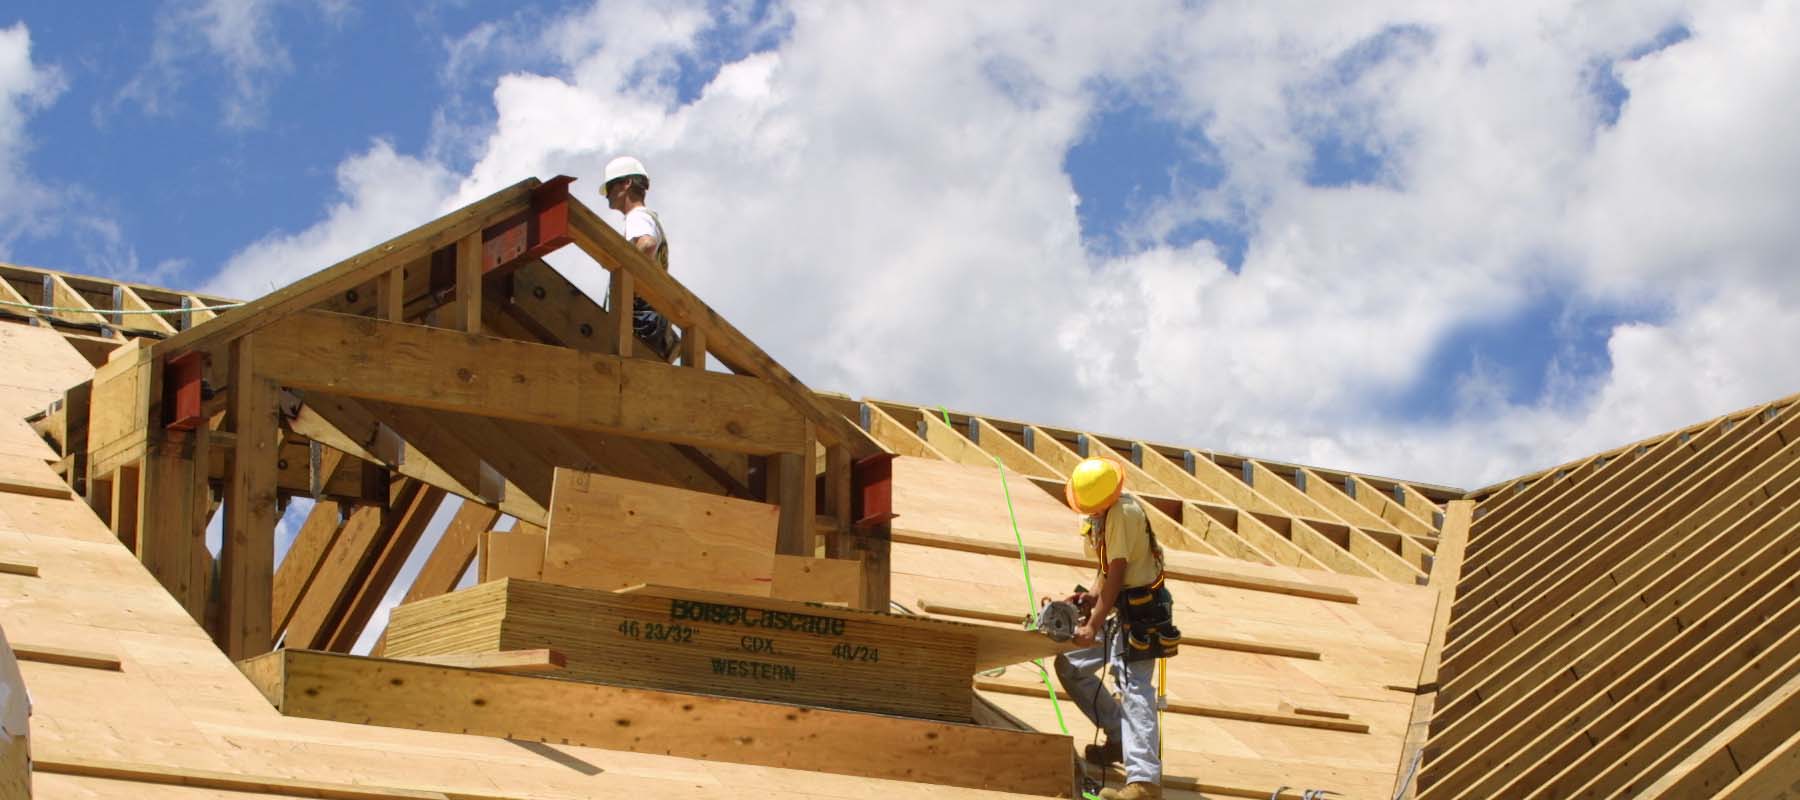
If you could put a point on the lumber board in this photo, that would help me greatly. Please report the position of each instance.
(1211, 642)
(127, 299)
(139, 772)
(490, 376)
(1279, 549)
(689, 725)
(953, 445)
(1276, 717)
(539, 660)
(601, 528)
(1174, 571)
(173, 506)
(65, 656)
(18, 568)
(358, 269)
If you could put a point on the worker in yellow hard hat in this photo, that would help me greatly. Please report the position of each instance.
(626, 186)
(1117, 536)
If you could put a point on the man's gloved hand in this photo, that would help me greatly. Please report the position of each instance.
(1087, 633)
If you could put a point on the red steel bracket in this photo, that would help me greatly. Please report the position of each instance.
(532, 234)
(873, 499)
(182, 376)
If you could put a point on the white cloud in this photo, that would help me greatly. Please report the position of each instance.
(880, 202)
(381, 193)
(239, 35)
(25, 87)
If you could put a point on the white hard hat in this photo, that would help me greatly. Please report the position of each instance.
(624, 166)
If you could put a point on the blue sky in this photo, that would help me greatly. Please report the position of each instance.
(1307, 234)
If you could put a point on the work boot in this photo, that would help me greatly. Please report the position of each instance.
(1103, 755)
(1139, 790)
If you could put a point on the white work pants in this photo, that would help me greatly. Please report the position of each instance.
(1135, 728)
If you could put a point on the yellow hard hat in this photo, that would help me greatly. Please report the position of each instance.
(1095, 484)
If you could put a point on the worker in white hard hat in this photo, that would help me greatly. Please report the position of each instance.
(1117, 536)
(626, 185)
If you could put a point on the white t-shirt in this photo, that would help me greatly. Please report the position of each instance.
(643, 222)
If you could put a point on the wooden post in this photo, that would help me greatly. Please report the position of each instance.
(797, 476)
(837, 494)
(622, 296)
(468, 283)
(693, 347)
(390, 291)
(171, 529)
(248, 551)
(126, 495)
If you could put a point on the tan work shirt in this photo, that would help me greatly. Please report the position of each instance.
(1127, 535)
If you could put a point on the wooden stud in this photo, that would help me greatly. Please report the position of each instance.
(693, 347)
(390, 295)
(467, 314)
(797, 486)
(621, 296)
(18, 568)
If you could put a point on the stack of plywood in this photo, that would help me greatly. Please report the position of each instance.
(712, 643)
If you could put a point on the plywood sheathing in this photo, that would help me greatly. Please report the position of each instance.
(1363, 646)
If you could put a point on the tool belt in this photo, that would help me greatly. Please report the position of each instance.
(1148, 615)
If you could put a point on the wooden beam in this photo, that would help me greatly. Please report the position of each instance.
(894, 436)
(674, 301)
(390, 295)
(502, 378)
(348, 426)
(1174, 571)
(321, 604)
(467, 305)
(247, 555)
(301, 564)
(359, 269)
(1444, 570)
(127, 299)
(453, 553)
(18, 568)
(403, 529)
